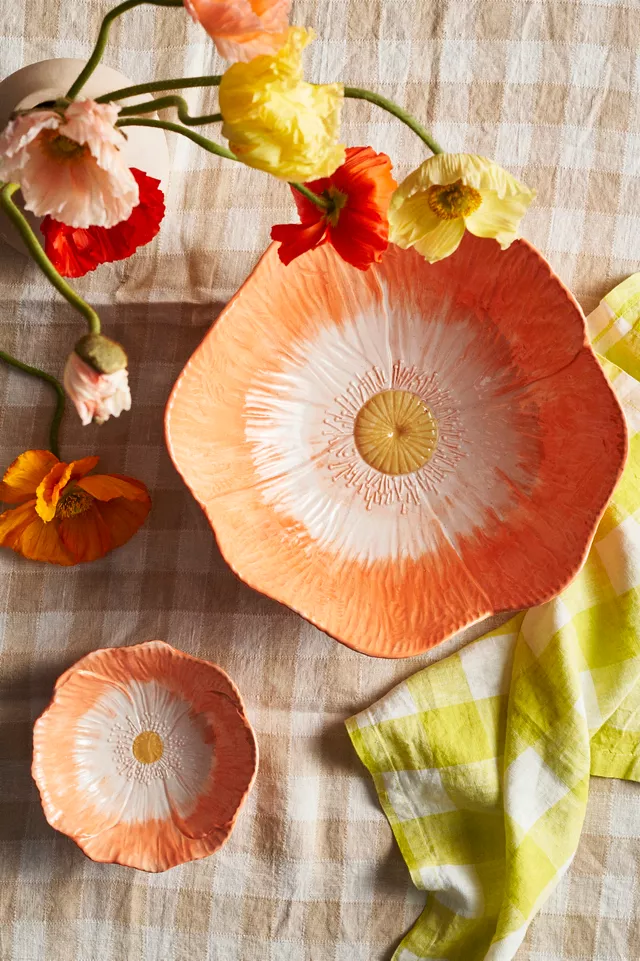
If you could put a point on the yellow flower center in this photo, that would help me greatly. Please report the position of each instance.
(60, 148)
(450, 201)
(338, 201)
(395, 432)
(148, 747)
(75, 502)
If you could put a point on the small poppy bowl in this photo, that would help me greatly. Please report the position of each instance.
(400, 452)
(144, 756)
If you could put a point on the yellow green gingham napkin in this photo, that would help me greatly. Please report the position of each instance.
(482, 761)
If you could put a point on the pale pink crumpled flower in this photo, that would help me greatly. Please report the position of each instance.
(97, 397)
(70, 166)
(243, 29)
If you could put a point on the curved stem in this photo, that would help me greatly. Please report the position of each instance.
(157, 86)
(211, 147)
(197, 138)
(162, 103)
(103, 37)
(309, 194)
(35, 249)
(60, 398)
(357, 93)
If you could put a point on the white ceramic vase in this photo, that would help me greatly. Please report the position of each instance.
(146, 148)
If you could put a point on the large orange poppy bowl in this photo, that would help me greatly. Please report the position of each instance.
(144, 756)
(400, 452)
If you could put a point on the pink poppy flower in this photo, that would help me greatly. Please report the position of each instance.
(243, 29)
(69, 165)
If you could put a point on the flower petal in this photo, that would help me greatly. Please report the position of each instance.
(24, 532)
(96, 396)
(104, 487)
(123, 517)
(81, 467)
(85, 536)
(296, 239)
(75, 251)
(22, 478)
(49, 490)
(441, 242)
(18, 135)
(277, 122)
(496, 217)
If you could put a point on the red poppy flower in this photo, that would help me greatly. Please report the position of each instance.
(75, 251)
(356, 223)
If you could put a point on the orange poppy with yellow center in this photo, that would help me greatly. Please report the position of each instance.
(64, 516)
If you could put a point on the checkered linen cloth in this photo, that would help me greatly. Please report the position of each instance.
(482, 762)
(311, 872)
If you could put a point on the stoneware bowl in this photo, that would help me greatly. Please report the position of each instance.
(400, 452)
(144, 756)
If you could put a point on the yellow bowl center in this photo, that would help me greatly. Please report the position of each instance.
(395, 432)
(148, 747)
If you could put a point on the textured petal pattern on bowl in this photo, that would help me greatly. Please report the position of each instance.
(144, 756)
(263, 424)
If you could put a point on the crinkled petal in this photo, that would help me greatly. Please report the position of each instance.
(86, 536)
(104, 487)
(296, 239)
(23, 477)
(123, 517)
(243, 29)
(96, 396)
(74, 251)
(442, 241)
(277, 122)
(81, 467)
(497, 218)
(473, 170)
(50, 489)
(17, 137)
(25, 533)
(243, 49)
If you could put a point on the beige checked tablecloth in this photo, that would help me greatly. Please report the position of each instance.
(551, 90)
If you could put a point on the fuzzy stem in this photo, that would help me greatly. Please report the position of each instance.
(60, 398)
(357, 93)
(162, 103)
(309, 194)
(35, 249)
(197, 138)
(157, 86)
(103, 37)
(211, 147)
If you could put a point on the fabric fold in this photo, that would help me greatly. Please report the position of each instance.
(482, 761)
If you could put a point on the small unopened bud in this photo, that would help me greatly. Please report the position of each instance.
(106, 356)
(96, 379)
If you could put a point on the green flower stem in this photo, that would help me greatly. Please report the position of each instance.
(211, 147)
(357, 93)
(35, 249)
(309, 194)
(103, 37)
(162, 103)
(157, 86)
(197, 138)
(60, 398)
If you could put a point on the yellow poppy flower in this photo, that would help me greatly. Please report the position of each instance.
(449, 193)
(274, 120)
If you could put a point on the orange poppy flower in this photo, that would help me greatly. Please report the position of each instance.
(243, 29)
(357, 224)
(63, 516)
